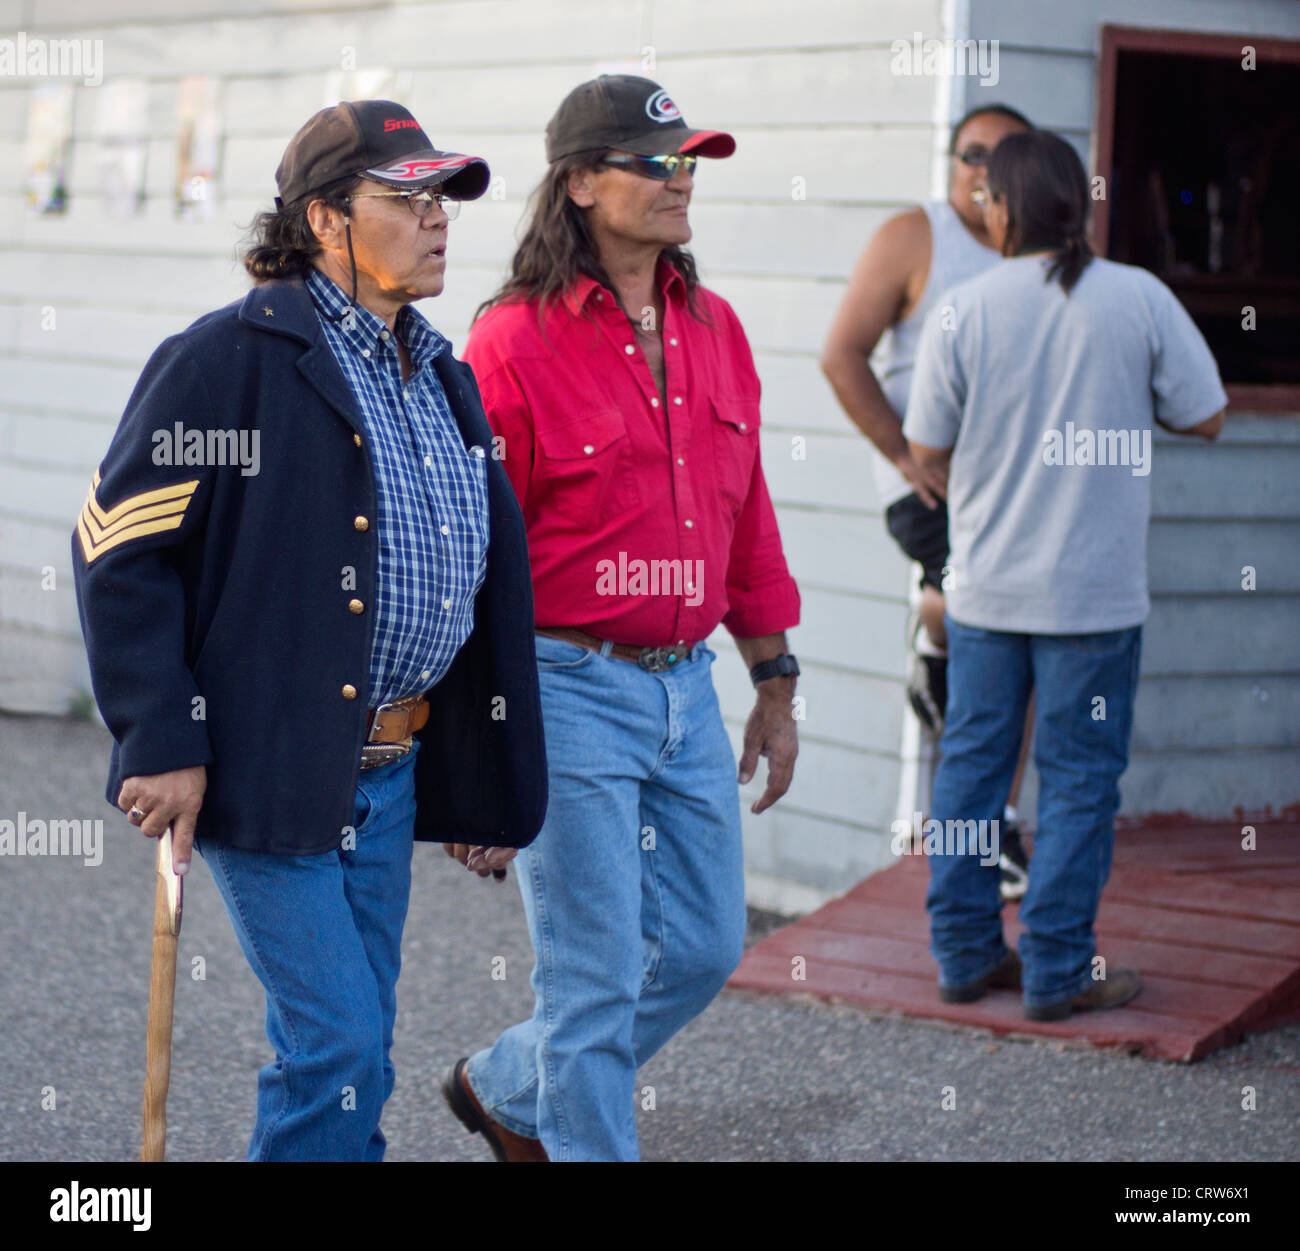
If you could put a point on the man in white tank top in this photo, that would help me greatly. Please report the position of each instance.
(908, 264)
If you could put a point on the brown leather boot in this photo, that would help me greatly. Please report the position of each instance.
(1111, 992)
(507, 1146)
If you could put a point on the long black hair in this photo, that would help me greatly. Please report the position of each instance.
(281, 242)
(1039, 177)
(557, 247)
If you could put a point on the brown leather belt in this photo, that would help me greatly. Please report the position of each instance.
(389, 729)
(651, 659)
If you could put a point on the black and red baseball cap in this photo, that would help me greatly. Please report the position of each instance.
(630, 113)
(375, 139)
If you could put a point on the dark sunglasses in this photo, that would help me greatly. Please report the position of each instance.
(660, 168)
(976, 154)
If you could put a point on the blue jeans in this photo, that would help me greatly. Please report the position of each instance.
(633, 890)
(1080, 750)
(323, 934)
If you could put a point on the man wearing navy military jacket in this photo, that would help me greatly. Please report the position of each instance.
(304, 586)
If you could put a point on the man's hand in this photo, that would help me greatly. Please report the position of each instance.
(167, 799)
(481, 860)
(929, 481)
(770, 731)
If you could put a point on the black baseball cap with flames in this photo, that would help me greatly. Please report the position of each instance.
(375, 139)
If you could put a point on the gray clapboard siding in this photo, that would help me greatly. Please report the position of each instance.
(1076, 27)
(1199, 554)
(1217, 784)
(1231, 712)
(1205, 740)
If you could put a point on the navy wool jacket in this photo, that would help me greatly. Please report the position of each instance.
(218, 605)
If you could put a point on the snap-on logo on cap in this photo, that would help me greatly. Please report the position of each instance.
(659, 108)
(400, 123)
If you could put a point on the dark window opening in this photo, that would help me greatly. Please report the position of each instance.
(1204, 191)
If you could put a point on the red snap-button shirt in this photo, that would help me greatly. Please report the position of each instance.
(649, 521)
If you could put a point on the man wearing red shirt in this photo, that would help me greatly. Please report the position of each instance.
(626, 408)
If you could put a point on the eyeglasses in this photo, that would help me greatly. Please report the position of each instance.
(660, 168)
(419, 202)
(976, 154)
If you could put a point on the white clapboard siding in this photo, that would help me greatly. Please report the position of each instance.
(843, 549)
(798, 398)
(33, 544)
(839, 705)
(830, 143)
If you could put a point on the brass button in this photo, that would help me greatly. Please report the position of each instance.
(349, 691)
(356, 438)
(355, 605)
(360, 523)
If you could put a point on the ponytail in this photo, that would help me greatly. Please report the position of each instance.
(1040, 179)
(1070, 260)
(281, 243)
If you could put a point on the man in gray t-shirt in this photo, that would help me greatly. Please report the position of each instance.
(1035, 389)
(1049, 490)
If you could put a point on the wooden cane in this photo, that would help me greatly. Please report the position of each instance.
(168, 892)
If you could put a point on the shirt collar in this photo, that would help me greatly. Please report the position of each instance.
(669, 281)
(362, 331)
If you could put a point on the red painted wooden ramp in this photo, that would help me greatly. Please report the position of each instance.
(1213, 929)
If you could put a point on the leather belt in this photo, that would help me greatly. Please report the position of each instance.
(651, 659)
(389, 729)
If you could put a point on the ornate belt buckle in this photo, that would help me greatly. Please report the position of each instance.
(373, 755)
(658, 659)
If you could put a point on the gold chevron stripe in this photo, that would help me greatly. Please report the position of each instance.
(150, 512)
(105, 517)
(100, 533)
(93, 551)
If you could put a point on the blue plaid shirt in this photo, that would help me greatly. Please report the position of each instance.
(432, 495)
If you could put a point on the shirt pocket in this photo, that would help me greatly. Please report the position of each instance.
(735, 448)
(587, 467)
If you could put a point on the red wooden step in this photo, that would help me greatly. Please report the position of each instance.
(1213, 930)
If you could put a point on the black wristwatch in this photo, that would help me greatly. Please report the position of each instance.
(782, 666)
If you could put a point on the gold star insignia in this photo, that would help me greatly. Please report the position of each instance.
(268, 310)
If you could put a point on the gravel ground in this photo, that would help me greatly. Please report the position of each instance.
(754, 1078)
